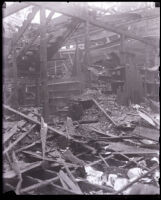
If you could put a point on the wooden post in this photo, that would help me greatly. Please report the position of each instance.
(76, 65)
(86, 46)
(43, 64)
(38, 90)
(122, 50)
(86, 56)
(15, 90)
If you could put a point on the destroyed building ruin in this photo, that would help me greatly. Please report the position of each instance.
(81, 98)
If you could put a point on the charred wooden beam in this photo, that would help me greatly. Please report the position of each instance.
(72, 27)
(87, 42)
(43, 64)
(103, 111)
(18, 140)
(14, 8)
(79, 13)
(26, 47)
(15, 89)
(11, 132)
(24, 26)
(122, 49)
(37, 122)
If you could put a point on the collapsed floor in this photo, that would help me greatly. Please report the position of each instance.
(97, 147)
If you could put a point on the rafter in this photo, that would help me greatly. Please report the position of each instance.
(14, 8)
(79, 12)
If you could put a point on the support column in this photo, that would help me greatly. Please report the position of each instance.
(76, 66)
(122, 50)
(43, 65)
(86, 46)
(15, 89)
(87, 43)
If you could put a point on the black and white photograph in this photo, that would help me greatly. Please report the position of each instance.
(80, 98)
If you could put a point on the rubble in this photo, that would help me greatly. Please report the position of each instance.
(81, 110)
(113, 147)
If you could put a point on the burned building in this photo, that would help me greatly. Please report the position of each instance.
(81, 98)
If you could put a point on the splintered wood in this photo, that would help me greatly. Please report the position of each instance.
(64, 168)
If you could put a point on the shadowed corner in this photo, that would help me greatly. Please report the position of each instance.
(157, 4)
(4, 5)
(9, 193)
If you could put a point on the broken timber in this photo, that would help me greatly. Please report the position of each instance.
(43, 64)
(14, 8)
(27, 46)
(108, 117)
(137, 179)
(38, 123)
(79, 13)
(24, 26)
(19, 139)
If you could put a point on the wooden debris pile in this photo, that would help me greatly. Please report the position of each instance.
(109, 150)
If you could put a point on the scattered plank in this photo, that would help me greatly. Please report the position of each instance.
(107, 165)
(104, 112)
(144, 115)
(68, 155)
(18, 140)
(38, 156)
(54, 185)
(69, 183)
(11, 132)
(37, 122)
(137, 179)
(147, 133)
(120, 147)
(12, 174)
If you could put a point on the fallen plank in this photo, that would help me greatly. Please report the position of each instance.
(68, 155)
(12, 174)
(62, 189)
(103, 187)
(101, 132)
(28, 146)
(54, 185)
(104, 112)
(144, 115)
(9, 134)
(120, 147)
(18, 140)
(48, 159)
(87, 121)
(46, 182)
(38, 185)
(37, 122)
(72, 177)
(107, 165)
(147, 133)
(140, 153)
(38, 156)
(70, 183)
(134, 161)
(111, 136)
